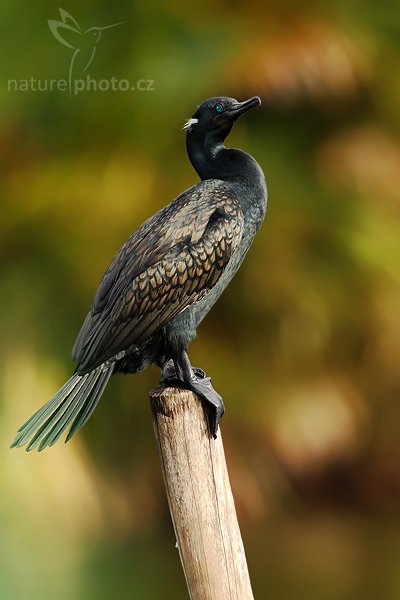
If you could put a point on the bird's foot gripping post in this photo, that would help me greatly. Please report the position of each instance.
(180, 372)
(200, 498)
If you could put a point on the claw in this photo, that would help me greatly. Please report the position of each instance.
(199, 372)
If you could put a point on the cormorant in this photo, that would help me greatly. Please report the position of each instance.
(164, 280)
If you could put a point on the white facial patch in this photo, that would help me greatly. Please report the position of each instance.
(189, 124)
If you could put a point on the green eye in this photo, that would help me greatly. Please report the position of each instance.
(219, 108)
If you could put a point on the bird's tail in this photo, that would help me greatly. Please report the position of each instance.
(70, 408)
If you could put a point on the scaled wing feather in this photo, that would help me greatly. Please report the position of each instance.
(169, 263)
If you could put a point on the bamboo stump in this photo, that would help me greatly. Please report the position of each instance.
(200, 498)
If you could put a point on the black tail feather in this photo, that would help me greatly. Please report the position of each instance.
(70, 408)
(86, 411)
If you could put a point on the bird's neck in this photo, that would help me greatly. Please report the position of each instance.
(212, 160)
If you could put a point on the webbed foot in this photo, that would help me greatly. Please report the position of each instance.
(169, 376)
(180, 372)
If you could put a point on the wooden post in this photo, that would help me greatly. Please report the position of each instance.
(200, 498)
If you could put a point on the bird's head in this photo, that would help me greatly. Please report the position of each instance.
(216, 116)
(95, 33)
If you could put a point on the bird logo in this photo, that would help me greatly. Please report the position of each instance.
(83, 43)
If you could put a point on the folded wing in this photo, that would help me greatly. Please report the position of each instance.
(169, 263)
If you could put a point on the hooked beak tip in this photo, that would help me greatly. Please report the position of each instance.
(243, 107)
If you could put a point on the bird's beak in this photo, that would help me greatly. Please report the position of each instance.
(110, 26)
(241, 107)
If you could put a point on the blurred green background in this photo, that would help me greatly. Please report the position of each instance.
(304, 346)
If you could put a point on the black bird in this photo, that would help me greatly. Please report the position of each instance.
(164, 280)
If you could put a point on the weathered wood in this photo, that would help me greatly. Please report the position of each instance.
(199, 498)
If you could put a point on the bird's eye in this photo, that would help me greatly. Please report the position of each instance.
(219, 108)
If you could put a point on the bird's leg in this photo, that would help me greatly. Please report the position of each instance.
(168, 373)
(196, 380)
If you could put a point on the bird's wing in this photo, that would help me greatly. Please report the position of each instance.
(169, 263)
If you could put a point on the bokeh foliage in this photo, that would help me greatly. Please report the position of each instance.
(304, 345)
